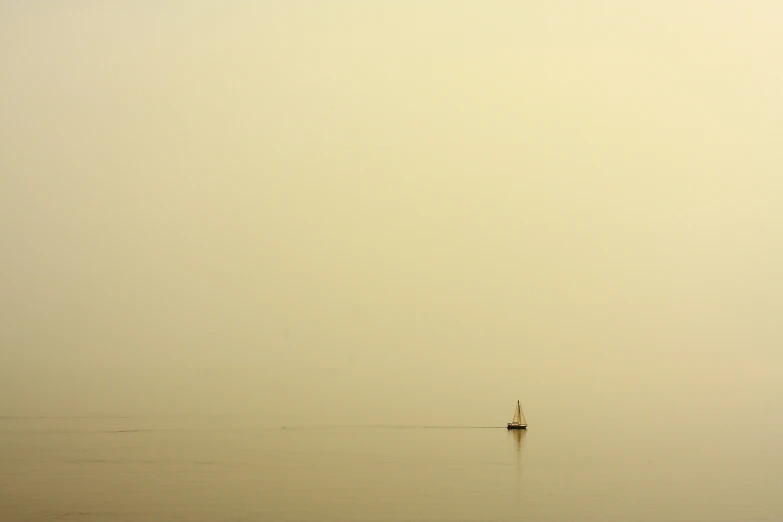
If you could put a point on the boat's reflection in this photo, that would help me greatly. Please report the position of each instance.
(518, 441)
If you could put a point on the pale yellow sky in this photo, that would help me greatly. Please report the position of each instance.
(433, 207)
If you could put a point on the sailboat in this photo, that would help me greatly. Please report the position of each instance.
(518, 422)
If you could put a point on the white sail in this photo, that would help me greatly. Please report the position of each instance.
(519, 417)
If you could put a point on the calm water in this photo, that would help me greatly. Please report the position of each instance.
(235, 469)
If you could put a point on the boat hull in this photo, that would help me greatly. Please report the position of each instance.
(517, 427)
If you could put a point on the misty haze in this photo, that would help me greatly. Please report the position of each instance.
(299, 260)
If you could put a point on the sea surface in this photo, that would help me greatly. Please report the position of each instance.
(234, 468)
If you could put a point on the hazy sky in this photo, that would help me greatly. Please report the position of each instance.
(390, 211)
